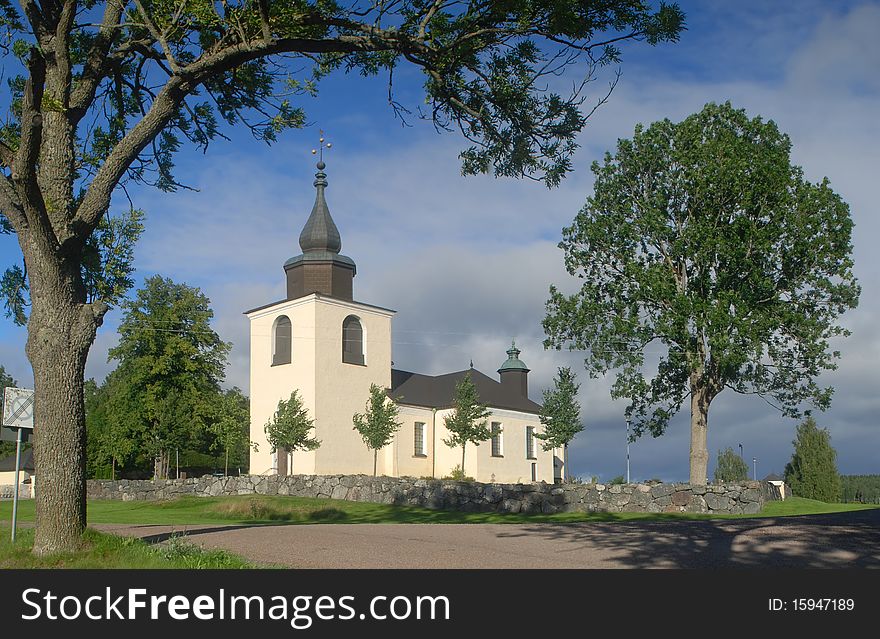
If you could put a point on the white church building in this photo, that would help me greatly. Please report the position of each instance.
(331, 348)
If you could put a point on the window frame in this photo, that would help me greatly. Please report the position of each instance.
(497, 434)
(530, 443)
(274, 354)
(352, 357)
(419, 433)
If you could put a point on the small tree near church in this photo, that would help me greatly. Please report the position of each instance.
(561, 413)
(379, 423)
(290, 427)
(467, 423)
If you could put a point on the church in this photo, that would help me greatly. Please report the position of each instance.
(331, 348)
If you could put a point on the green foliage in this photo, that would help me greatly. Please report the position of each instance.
(230, 425)
(290, 427)
(108, 258)
(560, 411)
(704, 243)
(378, 423)
(620, 479)
(812, 471)
(107, 265)
(467, 423)
(13, 289)
(730, 467)
(171, 363)
(99, 550)
(111, 432)
(862, 489)
(457, 474)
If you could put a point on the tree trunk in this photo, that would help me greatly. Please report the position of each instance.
(375, 457)
(60, 332)
(226, 468)
(564, 462)
(462, 459)
(699, 458)
(113, 469)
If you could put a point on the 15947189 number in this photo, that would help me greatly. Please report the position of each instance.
(806, 604)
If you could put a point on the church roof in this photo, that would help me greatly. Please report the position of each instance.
(513, 363)
(320, 233)
(437, 391)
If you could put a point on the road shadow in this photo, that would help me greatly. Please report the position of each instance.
(838, 540)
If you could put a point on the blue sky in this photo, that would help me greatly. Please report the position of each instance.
(467, 262)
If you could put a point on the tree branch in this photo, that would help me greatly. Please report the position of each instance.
(164, 107)
(24, 165)
(35, 17)
(160, 37)
(7, 155)
(96, 66)
(11, 206)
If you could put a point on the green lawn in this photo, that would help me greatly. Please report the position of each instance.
(262, 509)
(110, 551)
(801, 506)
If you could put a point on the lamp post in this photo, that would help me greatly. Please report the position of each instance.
(741, 452)
(755, 465)
(627, 450)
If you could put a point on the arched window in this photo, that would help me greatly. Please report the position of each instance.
(352, 341)
(281, 338)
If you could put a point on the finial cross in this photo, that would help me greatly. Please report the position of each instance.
(321, 146)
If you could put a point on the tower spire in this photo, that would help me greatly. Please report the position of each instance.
(320, 268)
(320, 233)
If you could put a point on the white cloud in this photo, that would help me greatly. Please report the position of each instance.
(467, 261)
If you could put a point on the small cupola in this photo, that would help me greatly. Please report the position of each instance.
(514, 373)
(320, 268)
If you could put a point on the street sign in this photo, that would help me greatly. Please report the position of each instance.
(18, 407)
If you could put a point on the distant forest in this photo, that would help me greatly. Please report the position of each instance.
(864, 489)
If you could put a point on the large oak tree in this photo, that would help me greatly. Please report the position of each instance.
(109, 90)
(705, 245)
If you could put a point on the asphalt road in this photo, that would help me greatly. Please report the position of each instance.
(844, 540)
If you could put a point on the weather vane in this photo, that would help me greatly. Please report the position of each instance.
(320, 150)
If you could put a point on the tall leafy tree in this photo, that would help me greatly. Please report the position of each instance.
(290, 428)
(703, 242)
(560, 413)
(812, 471)
(467, 422)
(172, 362)
(378, 423)
(730, 466)
(230, 424)
(102, 94)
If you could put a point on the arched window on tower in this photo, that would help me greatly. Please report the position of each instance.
(352, 341)
(281, 341)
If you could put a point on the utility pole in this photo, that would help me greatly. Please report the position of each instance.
(755, 464)
(627, 450)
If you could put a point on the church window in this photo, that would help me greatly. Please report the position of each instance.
(352, 341)
(419, 440)
(281, 341)
(497, 451)
(530, 442)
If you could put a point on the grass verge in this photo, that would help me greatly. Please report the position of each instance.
(263, 509)
(110, 551)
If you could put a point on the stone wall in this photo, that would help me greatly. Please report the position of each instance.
(7, 491)
(741, 498)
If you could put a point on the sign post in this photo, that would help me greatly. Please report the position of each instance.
(18, 413)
